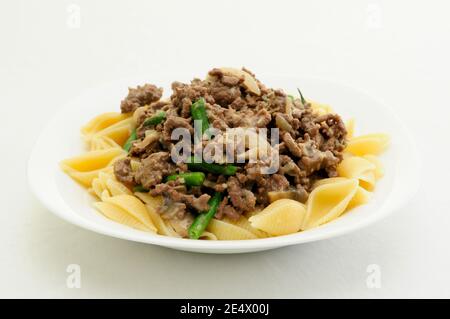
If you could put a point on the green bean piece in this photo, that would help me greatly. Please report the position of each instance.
(155, 119)
(130, 140)
(198, 112)
(190, 179)
(226, 169)
(140, 189)
(202, 220)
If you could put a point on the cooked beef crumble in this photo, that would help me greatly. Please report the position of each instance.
(310, 148)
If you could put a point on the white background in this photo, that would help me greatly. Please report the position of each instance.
(397, 50)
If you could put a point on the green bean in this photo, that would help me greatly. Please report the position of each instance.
(198, 112)
(140, 189)
(129, 142)
(202, 220)
(190, 179)
(226, 169)
(155, 119)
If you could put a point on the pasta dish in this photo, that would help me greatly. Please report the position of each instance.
(225, 158)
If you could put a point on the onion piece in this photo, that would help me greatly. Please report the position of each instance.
(283, 124)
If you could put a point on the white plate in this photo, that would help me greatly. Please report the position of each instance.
(65, 198)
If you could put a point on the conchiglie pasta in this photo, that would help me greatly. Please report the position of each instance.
(367, 180)
(379, 170)
(245, 224)
(161, 226)
(208, 236)
(98, 187)
(103, 143)
(92, 161)
(118, 132)
(84, 178)
(361, 196)
(105, 195)
(101, 122)
(116, 188)
(85, 168)
(153, 201)
(328, 202)
(134, 207)
(227, 231)
(330, 180)
(282, 217)
(119, 215)
(373, 144)
(359, 168)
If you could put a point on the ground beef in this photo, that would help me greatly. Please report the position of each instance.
(264, 183)
(289, 168)
(142, 113)
(173, 122)
(146, 146)
(177, 193)
(332, 128)
(310, 147)
(185, 94)
(292, 145)
(250, 118)
(224, 89)
(140, 96)
(242, 199)
(153, 169)
(123, 171)
(226, 210)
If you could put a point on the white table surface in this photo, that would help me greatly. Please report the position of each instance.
(397, 50)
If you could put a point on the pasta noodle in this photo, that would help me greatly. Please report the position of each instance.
(373, 144)
(227, 231)
(119, 132)
(328, 201)
(134, 207)
(379, 170)
(361, 196)
(92, 161)
(359, 168)
(208, 236)
(161, 226)
(101, 122)
(86, 168)
(120, 215)
(103, 143)
(152, 203)
(245, 224)
(282, 217)
(116, 188)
